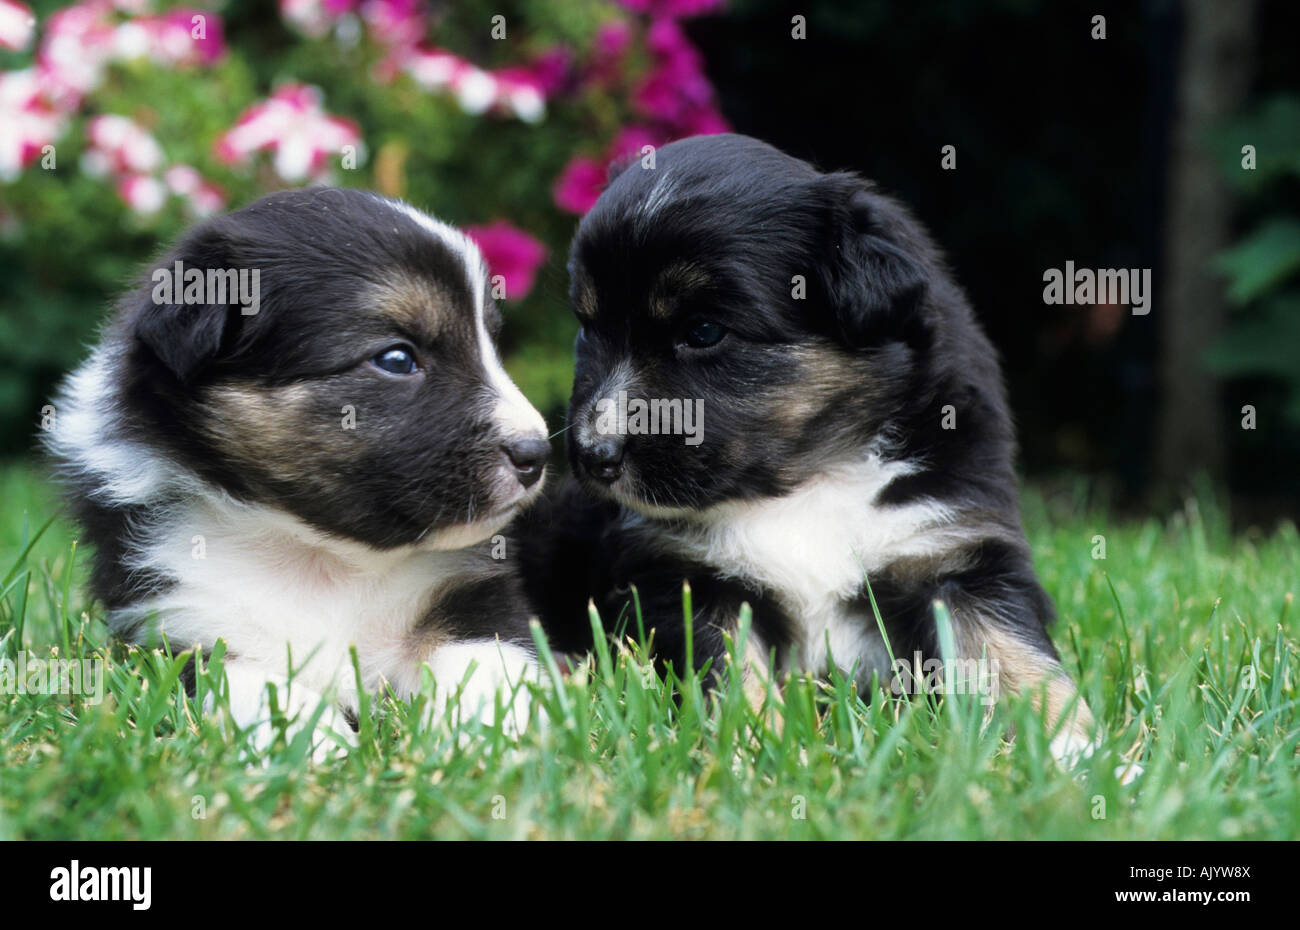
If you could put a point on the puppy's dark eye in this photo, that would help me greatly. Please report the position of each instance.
(398, 360)
(701, 334)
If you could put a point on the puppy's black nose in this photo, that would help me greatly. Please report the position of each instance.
(604, 460)
(528, 456)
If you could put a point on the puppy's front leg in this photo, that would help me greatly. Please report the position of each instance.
(1024, 664)
(470, 675)
(250, 709)
(715, 613)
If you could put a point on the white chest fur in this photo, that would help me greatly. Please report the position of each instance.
(270, 585)
(813, 547)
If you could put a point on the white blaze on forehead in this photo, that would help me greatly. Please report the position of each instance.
(513, 413)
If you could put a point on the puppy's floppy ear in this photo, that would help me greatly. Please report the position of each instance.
(617, 166)
(185, 336)
(874, 281)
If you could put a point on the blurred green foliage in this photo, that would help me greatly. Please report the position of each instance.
(1263, 336)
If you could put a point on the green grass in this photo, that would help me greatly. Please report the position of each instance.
(1182, 638)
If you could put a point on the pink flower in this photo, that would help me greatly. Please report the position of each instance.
(669, 94)
(122, 146)
(433, 69)
(578, 187)
(511, 253)
(521, 90)
(476, 90)
(293, 126)
(398, 25)
(184, 37)
(182, 179)
(143, 194)
(608, 53)
(678, 9)
(80, 40)
(122, 149)
(207, 200)
(631, 140)
(550, 70)
(30, 123)
(202, 197)
(77, 43)
(704, 122)
(17, 25)
(394, 22)
(676, 92)
(674, 96)
(613, 39)
(313, 18)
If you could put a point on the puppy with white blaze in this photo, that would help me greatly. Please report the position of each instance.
(324, 467)
(856, 440)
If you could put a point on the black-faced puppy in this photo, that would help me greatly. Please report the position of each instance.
(780, 395)
(297, 435)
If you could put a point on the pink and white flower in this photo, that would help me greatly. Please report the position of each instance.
(520, 91)
(202, 197)
(475, 89)
(17, 25)
(293, 126)
(77, 44)
(81, 40)
(400, 25)
(181, 37)
(395, 23)
(125, 151)
(392, 23)
(433, 69)
(313, 18)
(119, 145)
(30, 123)
(143, 193)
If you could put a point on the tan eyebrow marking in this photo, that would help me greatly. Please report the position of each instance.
(585, 301)
(676, 280)
(415, 305)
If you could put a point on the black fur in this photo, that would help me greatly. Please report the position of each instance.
(880, 342)
(331, 263)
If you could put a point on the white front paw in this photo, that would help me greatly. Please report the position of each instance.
(1128, 773)
(1070, 748)
(250, 709)
(496, 674)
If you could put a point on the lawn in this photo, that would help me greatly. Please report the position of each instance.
(1183, 639)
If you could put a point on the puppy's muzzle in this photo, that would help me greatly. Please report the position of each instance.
(527, 456)
(603, 459)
